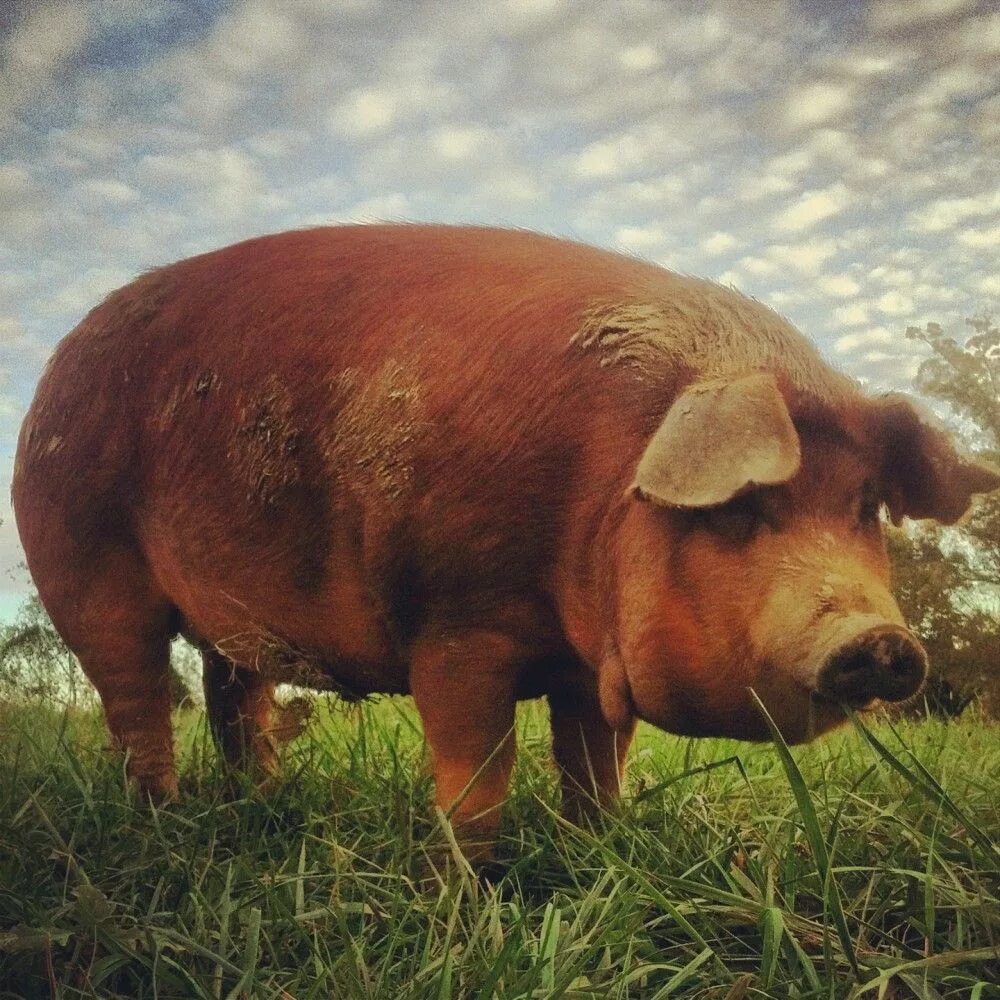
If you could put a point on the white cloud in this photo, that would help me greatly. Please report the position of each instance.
(817, 102)
(85, 143)
(984, 121)
(947, 213)
(978, 36)
(366, 111)
(223, 183)
(41, 42)
(276, 143)
(17, 346)
(758, 267)
(932, 296)
(25, 206)
(639, 57)
(527, 14)
(841, 286)
(833, 145)
(990, 285)
(960, 82)
(108, 191)
(13, 284)
(223, 76)
(21, 354)
(626, 199)
(911, 130)
(895, 304)
(454, 142)
(614, 157)
(512, 185)
(895, 277)
(717, 243)
(760, 186)
(252, 37)
(980, 239)
(657, 191)
(804, 258)
(876, 335)
(15, 181)
(852, 315)
(711, 204)
(82, 292)
(814, 207)
(868, 62)
(897, 14)
(639, 238)
(785, 300)
(792, 163)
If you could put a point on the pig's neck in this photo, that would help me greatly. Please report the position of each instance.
(584, 573)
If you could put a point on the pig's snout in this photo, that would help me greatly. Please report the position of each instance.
(883, 662)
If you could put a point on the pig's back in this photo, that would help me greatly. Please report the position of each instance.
(301, 309)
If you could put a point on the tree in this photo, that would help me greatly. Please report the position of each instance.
(35, 663)
(948, 579)
(952, 617)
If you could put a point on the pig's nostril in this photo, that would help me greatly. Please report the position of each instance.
(907, 671)
(884, 662)
(903, 666)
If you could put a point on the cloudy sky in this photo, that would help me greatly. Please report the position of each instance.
(838, 160)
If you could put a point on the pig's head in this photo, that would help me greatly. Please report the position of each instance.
(749, 553)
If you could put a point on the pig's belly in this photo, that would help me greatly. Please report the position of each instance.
(335, 638)
(280, 661)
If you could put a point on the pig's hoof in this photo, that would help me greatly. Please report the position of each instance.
(158, 789)
(491, 873)
(257, 784)
(584, 812)
(439, 867)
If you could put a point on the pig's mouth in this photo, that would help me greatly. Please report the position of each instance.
(854, 704)
(807, 714)
(822, 709)
(802, 713)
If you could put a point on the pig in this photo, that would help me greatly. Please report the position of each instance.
(475, 466)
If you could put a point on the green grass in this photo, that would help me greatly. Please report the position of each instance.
(864, 865)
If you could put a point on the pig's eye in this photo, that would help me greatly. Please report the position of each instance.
(870, 506)
(740, 519)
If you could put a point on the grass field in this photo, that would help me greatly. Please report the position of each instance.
(865, 865)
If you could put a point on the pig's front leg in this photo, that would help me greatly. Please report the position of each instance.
(464, 686)
(590, 752)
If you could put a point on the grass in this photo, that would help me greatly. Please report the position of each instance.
(866, 865)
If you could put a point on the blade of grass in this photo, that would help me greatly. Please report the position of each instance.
(925, 782)
(810, 822)
(772, 927)
(252, 943)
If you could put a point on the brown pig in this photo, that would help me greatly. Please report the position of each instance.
(474, 466)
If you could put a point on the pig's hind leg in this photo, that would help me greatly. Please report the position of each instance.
(239, 705)
(119, 624)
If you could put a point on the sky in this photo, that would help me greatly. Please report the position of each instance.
(837, 160)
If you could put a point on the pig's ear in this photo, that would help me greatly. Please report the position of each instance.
(923, 473)
(719, 440)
